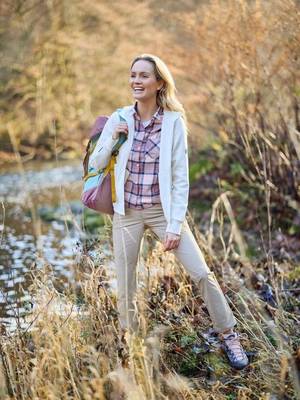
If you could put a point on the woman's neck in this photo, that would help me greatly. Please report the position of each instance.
(146, 110)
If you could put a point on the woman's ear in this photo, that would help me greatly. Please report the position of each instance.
(162, 85)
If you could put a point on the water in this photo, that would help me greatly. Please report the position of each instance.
(40, 225)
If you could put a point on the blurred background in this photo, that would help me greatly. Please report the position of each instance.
(236, 67)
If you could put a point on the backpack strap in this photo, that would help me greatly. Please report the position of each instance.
(111, 168)
(122, 137)
(115, 151)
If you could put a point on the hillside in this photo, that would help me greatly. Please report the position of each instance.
(63, 63)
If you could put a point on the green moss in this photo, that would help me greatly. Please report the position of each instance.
(186, 340)
(217, 364)
(295, 274)
(236, 169)
(294, 229)
(272, 339)
(251, 251)
(200, 168)
(189, 365)
(201, 206)
(231, 396)
(92, 220)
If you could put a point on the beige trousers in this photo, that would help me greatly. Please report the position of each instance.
(128, 231)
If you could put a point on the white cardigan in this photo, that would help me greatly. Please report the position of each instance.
(173, 174)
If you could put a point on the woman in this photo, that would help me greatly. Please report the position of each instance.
(152, 187)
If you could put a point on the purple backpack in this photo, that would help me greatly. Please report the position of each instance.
(99, 185)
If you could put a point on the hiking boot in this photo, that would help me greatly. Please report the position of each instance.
(235, 353)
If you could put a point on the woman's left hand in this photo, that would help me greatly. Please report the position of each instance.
(171, 241)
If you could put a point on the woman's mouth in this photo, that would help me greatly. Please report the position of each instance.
(138, 90)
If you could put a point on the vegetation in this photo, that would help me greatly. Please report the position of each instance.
(236, 64)
(69, 347)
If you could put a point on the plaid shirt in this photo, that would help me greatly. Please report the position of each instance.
(142, 187)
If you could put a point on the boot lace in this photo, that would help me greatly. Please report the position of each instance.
(234, 346)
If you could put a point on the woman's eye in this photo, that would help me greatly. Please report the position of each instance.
(142, 76)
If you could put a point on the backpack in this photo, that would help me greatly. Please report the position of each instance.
(99, 191)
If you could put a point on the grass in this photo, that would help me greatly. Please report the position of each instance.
(70, 345)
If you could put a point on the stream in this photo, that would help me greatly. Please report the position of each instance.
(41, 224)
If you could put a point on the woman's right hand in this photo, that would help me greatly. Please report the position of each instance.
(121, 127)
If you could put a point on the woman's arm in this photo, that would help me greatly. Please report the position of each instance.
(180, 178)
(102, 152)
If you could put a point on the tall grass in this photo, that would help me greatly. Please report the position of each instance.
(71, 346)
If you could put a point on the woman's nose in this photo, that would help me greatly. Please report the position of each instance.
(136, 80)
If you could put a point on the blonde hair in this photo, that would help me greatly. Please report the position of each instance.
(166, 96)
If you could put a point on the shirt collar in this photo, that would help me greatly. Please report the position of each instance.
(157, 115)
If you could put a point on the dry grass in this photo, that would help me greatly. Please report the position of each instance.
(70, 346)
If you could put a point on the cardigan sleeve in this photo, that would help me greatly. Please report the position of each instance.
(180, 178)
(102, 152)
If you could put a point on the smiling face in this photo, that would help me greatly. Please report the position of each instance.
(143, 82)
